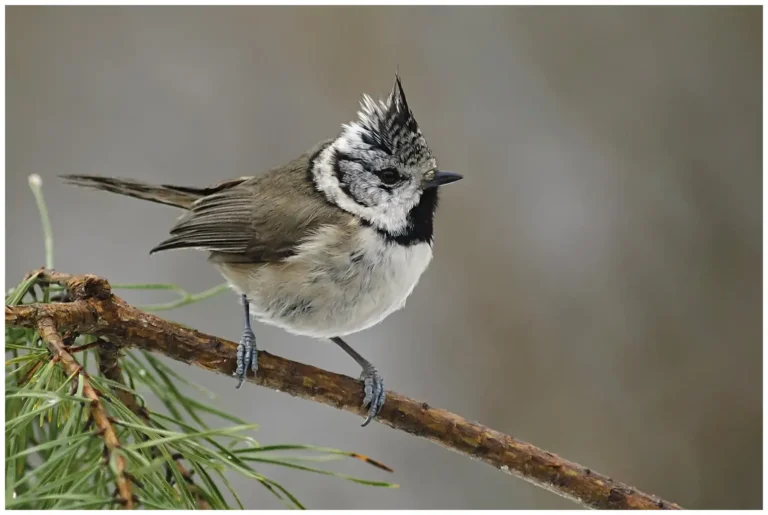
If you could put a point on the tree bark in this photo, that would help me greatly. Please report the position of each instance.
(49, 332)
(95, 310)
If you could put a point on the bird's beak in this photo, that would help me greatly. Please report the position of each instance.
(442, 178)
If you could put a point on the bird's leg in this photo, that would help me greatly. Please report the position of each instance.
(374, 384)
(247, 353)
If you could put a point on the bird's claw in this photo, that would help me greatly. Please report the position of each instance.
(374, 393)
(247, 356)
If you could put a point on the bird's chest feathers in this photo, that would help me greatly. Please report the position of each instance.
(384, 272)
(338, 284)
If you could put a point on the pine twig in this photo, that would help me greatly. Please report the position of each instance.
(96, 310)
(50, 335)
(109, 365)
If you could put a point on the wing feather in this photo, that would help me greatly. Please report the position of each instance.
(218, 222)
(262, 219)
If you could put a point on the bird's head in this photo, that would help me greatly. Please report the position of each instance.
(380, 167)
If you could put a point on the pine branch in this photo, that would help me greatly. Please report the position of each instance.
(50, 335)
(109, 366)
(95, 310)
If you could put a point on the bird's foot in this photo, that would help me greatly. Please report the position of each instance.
(247, 356)
(374, 393)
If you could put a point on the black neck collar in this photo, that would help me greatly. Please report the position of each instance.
(420, 225)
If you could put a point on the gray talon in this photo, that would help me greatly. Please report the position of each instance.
(372, 381)
(374, 393)
(247, 353)
(247, 356)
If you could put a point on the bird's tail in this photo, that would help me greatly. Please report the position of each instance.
(176, 196)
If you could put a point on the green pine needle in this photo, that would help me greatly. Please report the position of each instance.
(36, 185)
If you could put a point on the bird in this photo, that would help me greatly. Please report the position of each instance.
(324, 246)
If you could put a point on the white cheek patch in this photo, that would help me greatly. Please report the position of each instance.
(391, 215)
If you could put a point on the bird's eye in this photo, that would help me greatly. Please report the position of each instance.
(389, 176)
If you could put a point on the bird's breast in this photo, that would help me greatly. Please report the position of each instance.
(340, 281)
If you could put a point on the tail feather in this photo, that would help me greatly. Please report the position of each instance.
(175, 196)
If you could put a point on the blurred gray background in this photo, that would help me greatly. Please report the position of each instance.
(596, 286)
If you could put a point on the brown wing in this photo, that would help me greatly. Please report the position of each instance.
(214, 222)
(259, 220)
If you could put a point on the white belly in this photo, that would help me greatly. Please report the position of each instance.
(335, 285)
